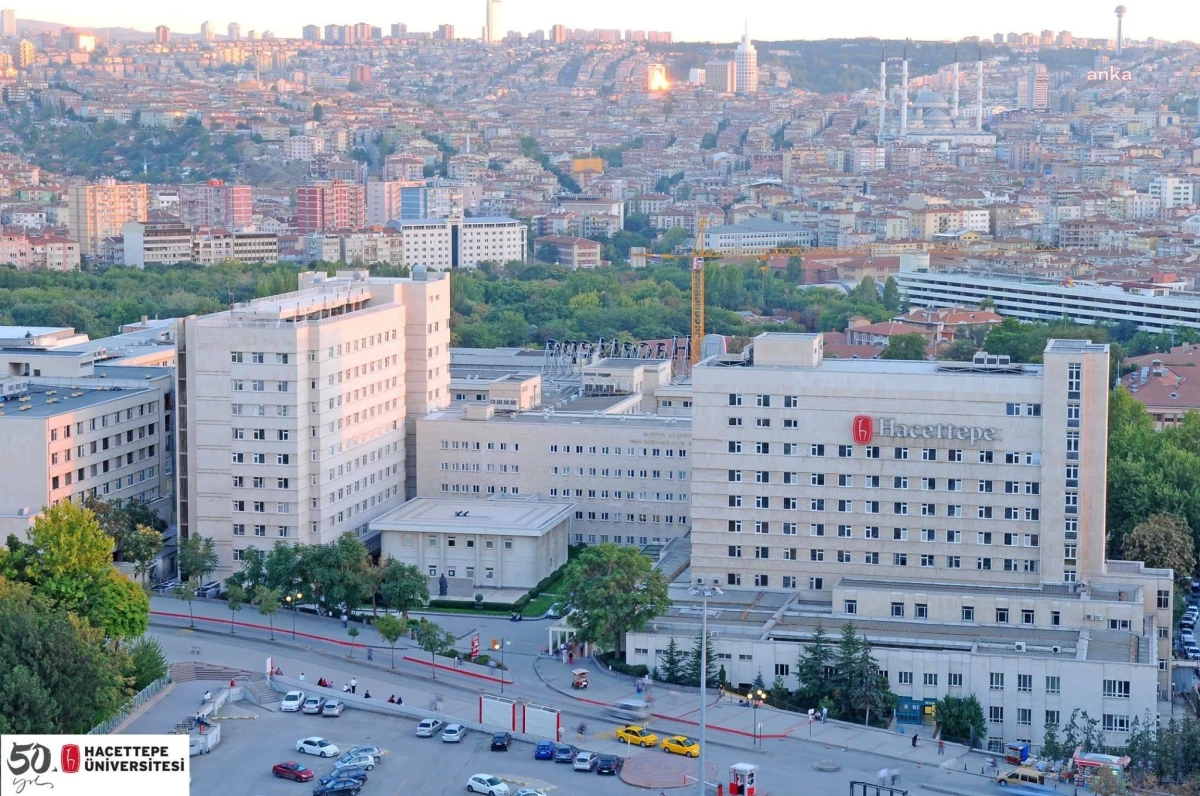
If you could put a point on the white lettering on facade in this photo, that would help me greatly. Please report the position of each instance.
(888, 427)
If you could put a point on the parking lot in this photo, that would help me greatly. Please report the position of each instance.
(241, 763)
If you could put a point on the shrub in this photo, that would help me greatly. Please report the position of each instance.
(611, 660)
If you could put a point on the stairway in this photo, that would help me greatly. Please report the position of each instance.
(263, 693)
(186, 671)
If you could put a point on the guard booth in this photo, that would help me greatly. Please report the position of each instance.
(741, 779)
(875, 789)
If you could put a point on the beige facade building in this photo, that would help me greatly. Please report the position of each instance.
(502, 543)
(99, 210)
(294, 408)
(626, 470)
(958, 508)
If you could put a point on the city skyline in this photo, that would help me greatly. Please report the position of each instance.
(942, 21)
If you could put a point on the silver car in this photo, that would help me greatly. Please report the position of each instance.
(453, 733)
(333, 707)
(430, 727)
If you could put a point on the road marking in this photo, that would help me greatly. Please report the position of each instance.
(231, 718)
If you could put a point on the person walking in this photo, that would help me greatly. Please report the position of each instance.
(353, 685)
(883, 776)
(345, 620)
(369, 656)
(941, 747)
(914, 740)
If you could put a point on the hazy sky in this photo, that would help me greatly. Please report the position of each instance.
(694, 20)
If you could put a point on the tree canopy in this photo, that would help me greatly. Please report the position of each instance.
(905, 346)
(613, 590)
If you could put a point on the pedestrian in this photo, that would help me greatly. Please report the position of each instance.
(369, 656)
(302, 677)
(345, 620)
(571, 658)
(346, 688)
(367, 695)
(914, 740)
(883, 776)
(353, 685)
(895, 775)
(824, 715)
(941, 747)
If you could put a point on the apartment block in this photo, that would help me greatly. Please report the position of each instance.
(571, 251)
(294, 408)
(385, 200)
(97, 211)
(215, 204)
(329, 206)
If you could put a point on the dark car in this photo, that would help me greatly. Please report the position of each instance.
(565, 753)
(501, 741)
(609, 764)
(292, 770)
(345, 772)
(544, 750)
(338, 787)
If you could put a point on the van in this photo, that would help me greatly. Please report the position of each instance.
(1028, 779)
(629, 709)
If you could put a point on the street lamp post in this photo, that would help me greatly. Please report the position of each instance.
(704, 592)
(757, 695)
(500, 644)
(293, 602)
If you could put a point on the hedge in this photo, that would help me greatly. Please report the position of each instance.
(470, 605)
(611, 660)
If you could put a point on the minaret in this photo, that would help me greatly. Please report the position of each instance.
(954, 107)
(904, 92)
(882, 91)
(1120, 11)
(979, 90)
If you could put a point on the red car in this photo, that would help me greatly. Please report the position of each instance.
(293, 770)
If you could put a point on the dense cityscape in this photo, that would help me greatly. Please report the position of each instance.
(799, 408)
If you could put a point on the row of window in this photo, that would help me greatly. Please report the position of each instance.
(872, 557)
(793, 402)
(616, 516)
(107, 443)
(605, 472)
(901, 509)
(139, 477)
(106, 420)
(474, 446)
(476, 489)
(897, 535)
(616, 450)
(953, 455)
(99, 468)
(475, 468)
(603, 494)
(238, 457)
(902, 482)
(258, 385)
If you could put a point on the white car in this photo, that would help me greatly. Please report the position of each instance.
(486, 783)
(366, 761)
(530, 792)
(429, 727)
(317, 746)
(454, 733)
(292, 702)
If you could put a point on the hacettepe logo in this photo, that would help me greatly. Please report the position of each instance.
(155, 765)
(863, 430)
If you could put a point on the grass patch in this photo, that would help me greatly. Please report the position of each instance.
(539, 605)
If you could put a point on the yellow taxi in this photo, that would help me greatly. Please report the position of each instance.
(682, 745)
(636, 736)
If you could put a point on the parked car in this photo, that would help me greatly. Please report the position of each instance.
(501, 741)
(585, 761)
(609, 764)
(429, 727)
(167, 586)
(682, 745)
(318, 746)
(373, 751)
(530, 792)
(333, 707)
(292, 770)
(453, 733)
(210, 589)
(636, 736)
(565, 753)
(338, 787)
(292, 701)
(486, 783)
(346, 772)
(544, 750)
(355, 761)
(313, 705)
(557, 611)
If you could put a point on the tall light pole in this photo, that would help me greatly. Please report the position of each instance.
(757, 695)
(704, 592)
(500, 644)
(293, 602)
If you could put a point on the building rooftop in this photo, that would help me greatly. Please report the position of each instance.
(46, 401)
(514, 516)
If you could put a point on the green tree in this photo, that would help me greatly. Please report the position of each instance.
(905, 346)
(318, 112)
(197, 557)
(860, 685)
(816, 658)
(353, 633)
(961, 719)
(759, 683)
(1106, 782)
(866, 292)
(146, 662)
(390, 628)
(142, 546)
(252, 573)
(118, 607)
(404, 587)
(614, 590)
(68, 555)
(547, 253)
(113, 520)
(282, 567)
(892, 300)
(780, 696)
(691, 665)
(186, 593)
(268, 603)
(673, 663)
(1165, 541)
(235, 598)
(1053, 749)
(433, 638)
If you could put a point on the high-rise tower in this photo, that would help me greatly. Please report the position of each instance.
(979, 91)
(1120, 12)
(904, 92)
(746, 65)
(954, 104)
(491, 32)
(882, 91)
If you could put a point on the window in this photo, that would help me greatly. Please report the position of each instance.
(986, 457)
(735, 446)
(845, 451)
(1115, 723)
(816, 450)
(968, 613)
(1001, 616)
(762, 400)
(927, 560)
(735, 526)
(735, 551)
(1117, 689)
(761, 580)
(904, 678)
(983, 563)
(899, 453)
(851, 606)
(929, 454)
(817, 479)
(816, 529)
(921, 610)
(1053, 685)
(899, 482)
(954, 679)
(735, 476)
(818, 555)
(1025, 682)
(783, 669)
(733, 421)
(816, 584)
(898, 609)
(735, 399)
(1118, 624)
(762, 552)
(1024, 717)
(733, 579)
(996, 681)
(871, 558)
(996, 714)
(789, 581)
(899, 559)
(1027, 616)
(1164, 598)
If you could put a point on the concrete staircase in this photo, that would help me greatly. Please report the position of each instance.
(186, 671)
(263, 693)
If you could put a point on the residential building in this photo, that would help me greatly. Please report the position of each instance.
(8, 22)
(386, 200)
(158, 242)
(1172, 191)
(294, 409)
(330, 205)
(571, 251)
(754, 236)
(96, 211)
(494, 544)
(1033, 88)
(720, 76)
(461, 242)
(746, 62)
(215, 204)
